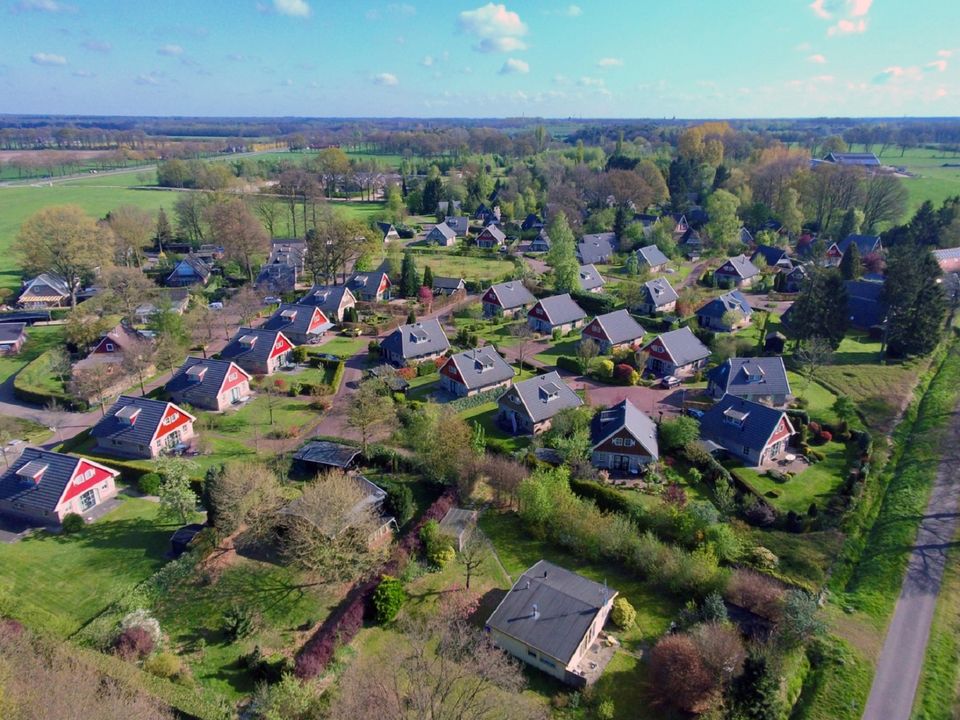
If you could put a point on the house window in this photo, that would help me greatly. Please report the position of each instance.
(110, 347)
(618, 441)
(531, 653)
(549, 663)
(746, 450)
(88, 500)
(629, 442)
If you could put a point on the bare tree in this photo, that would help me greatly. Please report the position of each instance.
(369, 410)
(201, 324)
(128, 288)
(9, 430)
(269, 211)
(524, 335)
(474, 555)
(138, 358)
(504, 475)
(238, 231)
(812, 355)
(328, 530)
(92, 384)
(246, 303)
(441, 668)
(133, 229)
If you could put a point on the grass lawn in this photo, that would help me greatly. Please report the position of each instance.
(19, 202)
(343, 346)
(819, 399)
(40, 338)
(837, 689)
(62, 581)
(282, 599)
(486, 415)
(496, 331)
(567, 346)
(477, 269)
(932, 181)
(815, 484)
(804, 557)
(875, 585)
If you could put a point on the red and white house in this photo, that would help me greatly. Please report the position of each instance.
(678, 352)
(142, 428)
(209, 384)
(44, 487)
(754, 433)
(259, 351)
(300, 324)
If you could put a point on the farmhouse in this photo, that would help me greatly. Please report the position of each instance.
(191, 270)
(333, 300)
(448, 285)
(46, 290)
(657, 295)
(590, 279)
(557, 312)
(12, 337)
(415, 342)
(726, 312)
(551, 619)
(460, 224)
(755, 433)
(760, 379)
(506, 299)
(110, 348)
(44, 487)
(388, 232)
(623, 439)
(614, 330)
(678, 352)
(651, 256)
(142, 428)
(491, 237)
(209, 384)
(865, 159)
(370, 286)
(259, 352)
(597, 248)
(528, 407)
(475, 371)
(302, 324)
(175, 300)
(441, 234)
(541, 243)
(737, 271)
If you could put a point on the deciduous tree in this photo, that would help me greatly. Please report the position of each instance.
(235, 228)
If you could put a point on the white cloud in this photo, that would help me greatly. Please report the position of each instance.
(850, 15)
(513, 67)
(896, 73)
(945, 53)
(84, 74)
(561, 79)
(804, 47)
(48, 6)
(500, 45)
(387, 79)
(296, 8)
(170, 50)
(499, 29)
(427, 61)
(848, 27)
(939, 65)
(150, 78)
(42, 58)
(590, 82)
(817, 59)
(859, 8)
(820, 10)
(100, 46)
(608, 62)
(573, 11)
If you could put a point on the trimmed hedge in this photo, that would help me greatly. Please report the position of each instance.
(466, 403)
(568, 363)
(593, 303)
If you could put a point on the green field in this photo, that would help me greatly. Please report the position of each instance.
(40, 338)
(62, 581)
(932, 181)
(475, 269)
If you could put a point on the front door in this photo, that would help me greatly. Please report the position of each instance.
(235, 395)
(621, 463)
(173, 439)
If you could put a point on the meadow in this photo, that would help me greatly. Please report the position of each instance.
(932, 180)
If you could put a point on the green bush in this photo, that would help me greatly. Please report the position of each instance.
(149, 484)
(568, 363)
(239, 622)
(73, 523)
(388, 599)
(623, 614)
(164, 665)
(606, 710)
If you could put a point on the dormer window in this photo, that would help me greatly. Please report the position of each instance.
(735, 417)
(754, 373)
(248, 341)
(33, 471)
(196, 373)
(549, 391)
(128, 414)
(418, 335)
(289, 315)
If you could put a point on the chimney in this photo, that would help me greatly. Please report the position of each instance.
(536, 611)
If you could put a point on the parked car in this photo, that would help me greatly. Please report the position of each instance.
(670, 381)
(271, 300)
(215, 306)
(695, 413)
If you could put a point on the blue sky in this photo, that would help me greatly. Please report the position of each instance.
(432, 58)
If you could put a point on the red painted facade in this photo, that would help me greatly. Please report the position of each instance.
(450, 370)
(280, 346)
(781, 433)
(317, 320)
(656, 349)
(85, 476)
(172, 419)
(594, 330)
(491, 297)
(101, 347)
(537, 312)
(235, 376)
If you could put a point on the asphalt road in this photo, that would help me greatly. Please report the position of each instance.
(904, 649)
